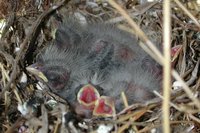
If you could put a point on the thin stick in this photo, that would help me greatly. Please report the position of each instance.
(187, 12)
(186, 89)
(23, 46)
(167, 65)
(139, 32)
(124, 99)
(153, 50)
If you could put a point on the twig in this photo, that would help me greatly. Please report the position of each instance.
(139, 33)
(194, 74)
(7, 56)
(45, 123)
(187, 12)
(16, 125)
(148, 128)
(186, 89)
(9, 23)
(194, 118)
(180, 109)
(159, 58)
(167, 65)
(141, 9)
(29, 37)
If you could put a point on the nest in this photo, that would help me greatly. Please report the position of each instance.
(28, 26)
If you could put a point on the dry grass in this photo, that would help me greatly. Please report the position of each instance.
(31, 28)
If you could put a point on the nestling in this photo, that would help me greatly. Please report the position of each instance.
(98, 55)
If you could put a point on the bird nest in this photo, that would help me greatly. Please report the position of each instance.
(29, 26)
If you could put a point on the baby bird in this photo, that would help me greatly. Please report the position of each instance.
(59, 70)
(90, 65)
(137, 84)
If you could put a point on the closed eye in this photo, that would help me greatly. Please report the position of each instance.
(57, 81)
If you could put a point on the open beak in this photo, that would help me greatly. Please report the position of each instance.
(104, 107)
(87, 96)
(33, 70)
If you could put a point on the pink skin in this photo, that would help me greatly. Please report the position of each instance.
(104, 107)
(86, 97)
(90, 101)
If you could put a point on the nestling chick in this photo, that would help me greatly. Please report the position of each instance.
(137, 84)
(100, 55)
(57, 69)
